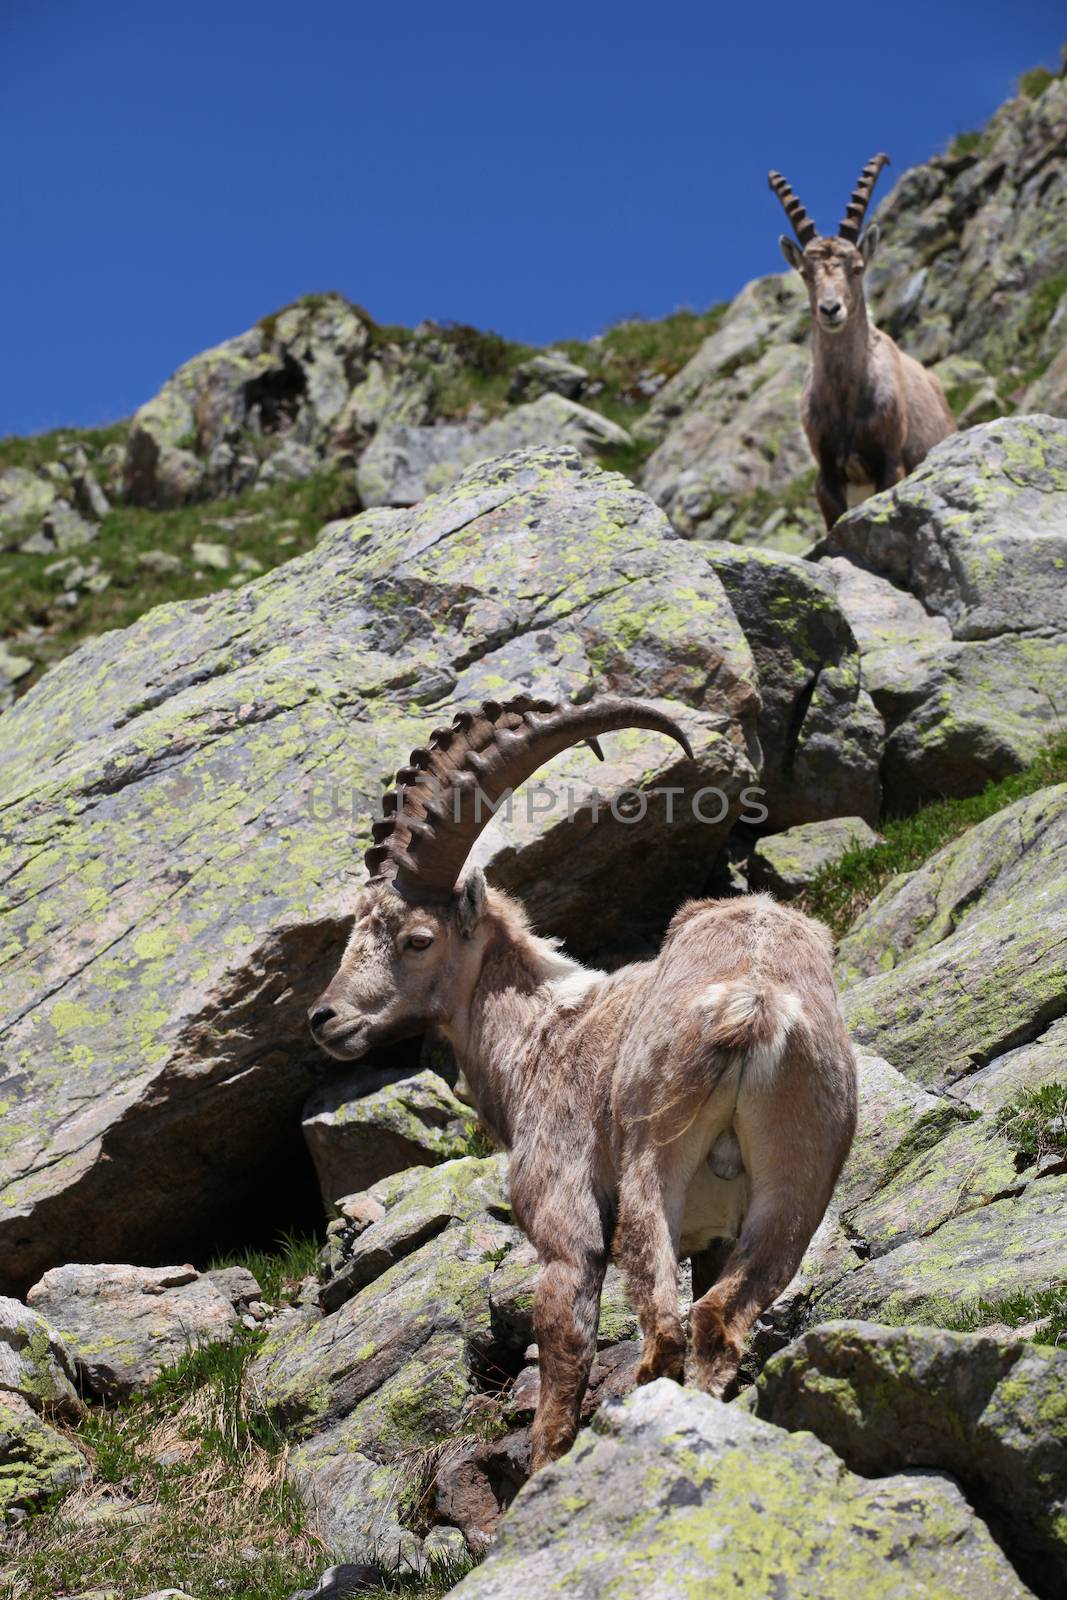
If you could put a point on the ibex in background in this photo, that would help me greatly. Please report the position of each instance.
(699, 1104)
(871, 413)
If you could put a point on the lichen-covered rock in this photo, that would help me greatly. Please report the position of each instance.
(787, 863)
(1029, 1066)
(396, 1368)
(671, 1493)
(284, 382)
(994, 1252)
(978, 532)
(206, 780)
(403, 464)
(961, 617)
(903, 648)
(356, 1138)
(991, 1412)
(820, 733)
(728, 425)
(123, 1325)
(34, 1361)
(36, 1461)
(25, 499)
(550, 372)
(964, 959)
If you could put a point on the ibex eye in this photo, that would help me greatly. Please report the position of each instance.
(420, 941)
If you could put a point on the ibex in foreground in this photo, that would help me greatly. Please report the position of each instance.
(699, 1104)
(871, 413)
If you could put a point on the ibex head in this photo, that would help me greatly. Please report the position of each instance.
(832, 268)
(415, 947)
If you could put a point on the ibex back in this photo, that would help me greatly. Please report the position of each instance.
(700, 1104)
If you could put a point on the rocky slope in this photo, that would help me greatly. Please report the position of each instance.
(318, 410)
(184, 806)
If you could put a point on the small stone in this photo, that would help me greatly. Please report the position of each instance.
(787, 863)
(206, 553)
(240, 1286)
(159, 561)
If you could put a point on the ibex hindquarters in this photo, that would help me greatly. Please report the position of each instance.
(732, 1108)
(754, 1120)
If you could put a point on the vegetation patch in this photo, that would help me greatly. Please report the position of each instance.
(1035, 1123)
(1045, 1307)
(845, 888)
(258, 530)
(187, 1490)
(1033, 84)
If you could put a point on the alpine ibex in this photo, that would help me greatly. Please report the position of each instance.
(699, 1104)
(871, 413)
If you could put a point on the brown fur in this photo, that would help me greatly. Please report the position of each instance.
(617, 1096)
(870, 412)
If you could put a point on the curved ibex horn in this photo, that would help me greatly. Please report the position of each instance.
(801, 223)
(446, 794)
(856, 209)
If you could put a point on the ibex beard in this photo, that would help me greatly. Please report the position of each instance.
(701, 1104)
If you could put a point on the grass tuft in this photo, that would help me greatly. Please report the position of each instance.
(1035, 1122)
(1047, 1307)
(278, 1272)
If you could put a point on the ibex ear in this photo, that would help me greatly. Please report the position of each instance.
(471, 902)
(794, 255)
(869, 242)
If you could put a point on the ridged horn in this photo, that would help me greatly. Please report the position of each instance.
(446, 793)
(856, 209)
(800, 222)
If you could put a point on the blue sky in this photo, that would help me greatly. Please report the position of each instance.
(174, 173)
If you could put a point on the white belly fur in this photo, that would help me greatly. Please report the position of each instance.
(714, 1207)
(856, 493)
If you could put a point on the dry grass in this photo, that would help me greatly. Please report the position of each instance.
(187, 1490)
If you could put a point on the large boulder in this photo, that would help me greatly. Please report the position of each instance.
(819, 731)
(404, 463)
(954, 587)
(185, 803)
(671, 1492)
(123, 1325)
(956, 963)
(355, 1138)
(286, 381)
(978, 532)
(991, 1412)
